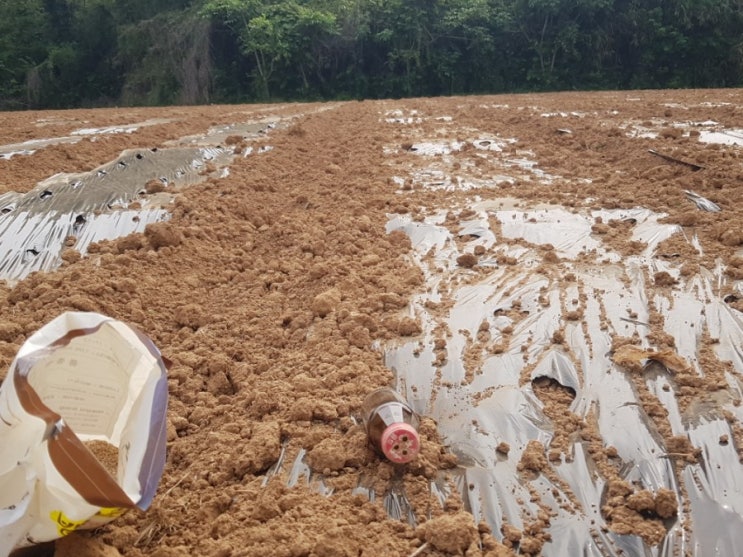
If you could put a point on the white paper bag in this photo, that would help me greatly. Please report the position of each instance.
(82, 377)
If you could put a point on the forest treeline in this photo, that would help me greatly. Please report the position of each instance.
(71, 53)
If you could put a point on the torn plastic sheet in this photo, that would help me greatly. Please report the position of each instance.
(432, 179)
(126, 128)
(724, 137)
(437, 175)
(398, 116)
(19, 150)
(394, 498)
(702, 202)
(712, 134)
(33, 145)
(75, 210)
(479, 402)
(35, 227)
(218, 135)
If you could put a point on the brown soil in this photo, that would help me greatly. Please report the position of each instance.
(105, 453)
(268, 289)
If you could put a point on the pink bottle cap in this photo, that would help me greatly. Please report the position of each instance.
(400, 443)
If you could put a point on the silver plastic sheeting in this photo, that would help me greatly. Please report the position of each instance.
(476, 409)
(393, 498)
(219, 135)
(702, 202)
(724, 137)
(35, 227)
(437, 176)
(33, 145)
(78, 209)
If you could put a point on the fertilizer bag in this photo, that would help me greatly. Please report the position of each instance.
(84, 380)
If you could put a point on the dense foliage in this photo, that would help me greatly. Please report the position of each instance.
(64, 53)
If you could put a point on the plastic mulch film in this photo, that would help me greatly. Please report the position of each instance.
(111, 201)
(78, 209)
(475, 368)
(30, 147)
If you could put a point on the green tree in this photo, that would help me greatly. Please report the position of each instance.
(165, 60)
(78, 68)
(562, 36)
(23, 45)
(677, 43)
(474, 53)
(58, 53)
(285, 36)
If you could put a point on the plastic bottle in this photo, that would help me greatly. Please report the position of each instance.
(391, 425)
